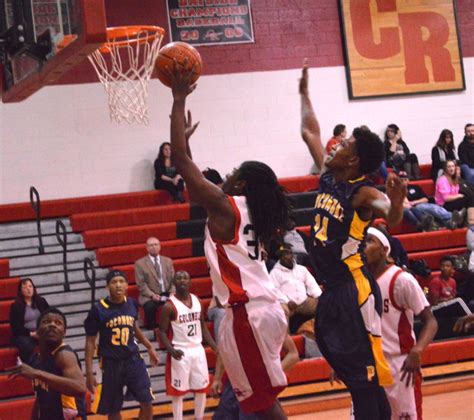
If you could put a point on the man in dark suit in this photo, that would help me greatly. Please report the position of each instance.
(154, 276)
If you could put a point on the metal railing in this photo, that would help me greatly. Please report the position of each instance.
(89, 267)
(61, 236)
(36, 205)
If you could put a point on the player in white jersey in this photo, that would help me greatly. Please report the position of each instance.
(182, 331)
(403, 299)
(248, 212)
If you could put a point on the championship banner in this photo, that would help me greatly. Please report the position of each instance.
(210, 22)
(396, 47)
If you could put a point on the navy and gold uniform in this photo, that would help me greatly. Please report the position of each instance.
(348, 315)
(52, 404)
(120, 359)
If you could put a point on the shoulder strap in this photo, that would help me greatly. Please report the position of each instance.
(391, 289)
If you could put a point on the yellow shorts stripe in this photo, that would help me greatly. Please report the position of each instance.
(96, 401)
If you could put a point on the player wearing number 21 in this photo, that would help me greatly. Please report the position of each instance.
(115, 320)
(348, 315)
(182, 331)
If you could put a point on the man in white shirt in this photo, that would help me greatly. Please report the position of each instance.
(154, 275)
(403, 299)
(298, 289)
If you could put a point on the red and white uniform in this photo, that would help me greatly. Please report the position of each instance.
(403, 298)
(190, 374)
(252, 332)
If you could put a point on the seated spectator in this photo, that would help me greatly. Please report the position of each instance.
(296, 285)
(297, 241)
(466, 154)
(443, 287)
(166, 175)
(447, 190)
(215, 313)
(339, 134)
(154, 275)
(24, 314)
(443, 150)
(397, 153)
(420, 212)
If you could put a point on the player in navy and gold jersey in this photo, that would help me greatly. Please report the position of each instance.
(115, 320)
(56, 374)
(348, 316)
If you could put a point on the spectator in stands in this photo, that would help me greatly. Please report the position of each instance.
(466, 153)
(447, 190)
(296, 284)
(443, 287)
(24, 314)
(154, 275)
(397, 153)
(297, 241)
(443, 150)
(215, 313)
(420, 212)
(166, 175)
(339, 134)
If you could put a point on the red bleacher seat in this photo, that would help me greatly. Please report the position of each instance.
(5, 335)
(15, 387)
(5, 310)
(4, 268)
(18, 409)
(8, 287)
(8, 357)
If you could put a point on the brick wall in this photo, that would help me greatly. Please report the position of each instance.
(285, 32)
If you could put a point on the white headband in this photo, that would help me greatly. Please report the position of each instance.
(381, 237)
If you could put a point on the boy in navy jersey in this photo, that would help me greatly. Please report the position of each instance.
(56, 373)
(115, 320)
(348, 315)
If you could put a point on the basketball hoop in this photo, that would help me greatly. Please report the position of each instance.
(125, 76)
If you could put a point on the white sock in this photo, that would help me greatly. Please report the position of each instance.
(177, 403)
(199, 405)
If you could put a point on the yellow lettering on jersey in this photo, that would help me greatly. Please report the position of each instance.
(331, 205)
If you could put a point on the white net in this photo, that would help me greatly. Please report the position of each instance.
(124, 66)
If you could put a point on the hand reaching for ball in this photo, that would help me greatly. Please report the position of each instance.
(181, 80)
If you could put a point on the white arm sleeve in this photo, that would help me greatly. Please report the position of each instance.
(312, 288)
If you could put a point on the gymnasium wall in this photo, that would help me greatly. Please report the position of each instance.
(61, 139)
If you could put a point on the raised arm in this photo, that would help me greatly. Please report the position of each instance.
(310, 130)
(70, 383)
(201, 191)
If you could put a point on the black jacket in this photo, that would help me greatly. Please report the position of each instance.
(17, 316)
(437, 163)
(466, 153)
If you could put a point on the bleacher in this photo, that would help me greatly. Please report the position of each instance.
(111, 230)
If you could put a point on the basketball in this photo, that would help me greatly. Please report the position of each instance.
(178, 51)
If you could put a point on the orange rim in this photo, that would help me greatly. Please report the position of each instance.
(120, 36)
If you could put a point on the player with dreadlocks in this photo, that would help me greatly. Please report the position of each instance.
(247, 212)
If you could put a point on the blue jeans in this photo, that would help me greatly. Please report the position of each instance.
(467, 173)
(439, 213)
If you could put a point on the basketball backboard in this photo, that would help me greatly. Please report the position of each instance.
(40, 40)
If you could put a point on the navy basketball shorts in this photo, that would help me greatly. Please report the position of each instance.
(117, 374)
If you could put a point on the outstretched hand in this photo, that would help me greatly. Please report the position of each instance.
(464, 324)
(303, 87)
(181, 76)
(411, 368)
(189, 128)
(395, 189)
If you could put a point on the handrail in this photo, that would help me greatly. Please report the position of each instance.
(89, 265)
(61, 236)
(36, 205)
